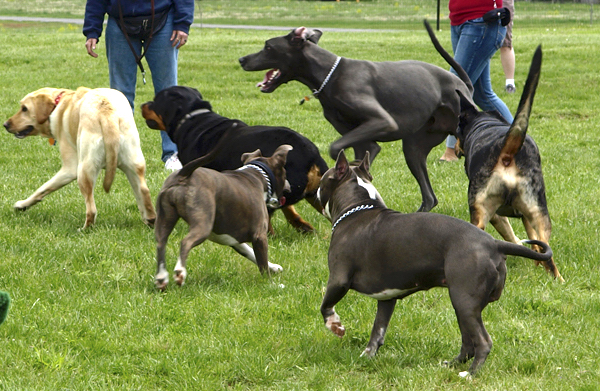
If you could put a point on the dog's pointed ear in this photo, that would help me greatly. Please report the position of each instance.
(44, 105)
(248, 156)
(299, 36)
(365, 166)
(341, 165)
(466, 105)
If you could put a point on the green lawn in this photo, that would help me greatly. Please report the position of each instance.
(85, 314)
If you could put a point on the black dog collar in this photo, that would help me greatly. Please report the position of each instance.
(267, 173)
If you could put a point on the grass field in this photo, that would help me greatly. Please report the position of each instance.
(85, 314)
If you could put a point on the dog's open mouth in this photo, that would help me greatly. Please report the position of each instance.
(270, 82)
(24, 133)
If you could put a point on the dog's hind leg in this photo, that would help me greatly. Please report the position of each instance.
(86, 179)
(334, 293)
(415, 153)
(476, 341)
(197, 234)
(135, 172)
(385, 309)
(166, 219)
(504, 228)
(539, 227)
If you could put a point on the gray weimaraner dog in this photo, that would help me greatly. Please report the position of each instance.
(367, 102)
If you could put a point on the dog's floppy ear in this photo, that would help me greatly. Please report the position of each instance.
(281, 152)
(300, 35)
(43, 106)
(248, 156)
(341, 165)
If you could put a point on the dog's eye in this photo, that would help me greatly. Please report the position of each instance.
(267, 47)
(24, 109)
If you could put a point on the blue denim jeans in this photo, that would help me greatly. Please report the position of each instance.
(161, 58)
(474, 43)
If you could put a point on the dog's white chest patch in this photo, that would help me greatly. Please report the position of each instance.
(373, 194)
(387, 294)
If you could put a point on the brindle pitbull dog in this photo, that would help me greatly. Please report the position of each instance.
(387, 255)
(367, 102)
(228, 208)
(504, 168)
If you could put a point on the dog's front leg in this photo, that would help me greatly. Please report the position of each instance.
(385, 309)
(65, 176)
(246, 251)
(261, 252)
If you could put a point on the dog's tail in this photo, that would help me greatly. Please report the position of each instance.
(189, 168)
(110, 135)
(449, 59)
(509, 248)
(518, 130)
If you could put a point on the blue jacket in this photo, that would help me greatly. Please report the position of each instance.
(96, 9)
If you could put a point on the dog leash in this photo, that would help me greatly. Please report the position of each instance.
(266, 172)
(351, 211)
(317, 92)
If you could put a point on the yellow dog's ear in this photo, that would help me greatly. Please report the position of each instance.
(44, 105)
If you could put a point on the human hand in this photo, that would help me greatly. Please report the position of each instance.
(179, 38)
(90, 45)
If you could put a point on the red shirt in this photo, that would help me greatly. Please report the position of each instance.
(463, 10)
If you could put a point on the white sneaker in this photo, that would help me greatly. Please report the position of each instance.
(173, 163)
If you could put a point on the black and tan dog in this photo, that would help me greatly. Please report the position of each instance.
(388, 255)
(228, 208)
(504, 168)
(196, 129)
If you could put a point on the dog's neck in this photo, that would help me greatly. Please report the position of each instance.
(189, 115)
(270, 181)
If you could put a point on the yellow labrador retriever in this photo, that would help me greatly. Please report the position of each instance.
(94, 129)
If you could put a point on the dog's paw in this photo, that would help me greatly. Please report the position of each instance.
(20, 205)
(275, 268)
(161, 281)
(337, 329)
(179, 276)
(368, 352)
(465, 375)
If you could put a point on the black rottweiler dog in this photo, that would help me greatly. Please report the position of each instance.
(196, 129)
(504, 168)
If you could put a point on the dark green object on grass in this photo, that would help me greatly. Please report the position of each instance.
(4, 303)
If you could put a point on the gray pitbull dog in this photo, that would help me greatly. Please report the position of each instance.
(228, 208)
(367, 102)
(387, 255)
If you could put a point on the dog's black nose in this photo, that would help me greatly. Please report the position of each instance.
(242, 60)
(6, 125)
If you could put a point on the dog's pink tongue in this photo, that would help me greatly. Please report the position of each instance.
(282, 201)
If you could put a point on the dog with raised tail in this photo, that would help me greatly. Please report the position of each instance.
(504, 168)
(388, 255)
(228, 208)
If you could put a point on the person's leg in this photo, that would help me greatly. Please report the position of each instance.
(474, 43)
(122, 68)
(507, 57)
(485, 97)
(162, 61)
